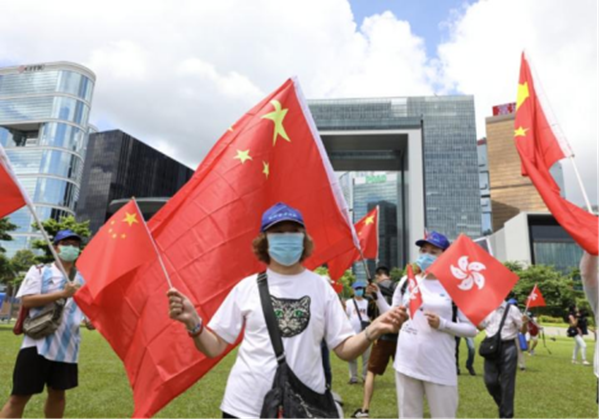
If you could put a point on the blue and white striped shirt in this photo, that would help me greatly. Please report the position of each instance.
(63, 344)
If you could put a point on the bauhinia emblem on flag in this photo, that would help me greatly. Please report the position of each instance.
(535, 298)
(415, 299)
(476, 281)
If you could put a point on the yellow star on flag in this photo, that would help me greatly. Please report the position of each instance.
(243, 155)
(266, 169)
(277, 117)
(130, 219)
(520, 132)
(522, 94)
(370, 220)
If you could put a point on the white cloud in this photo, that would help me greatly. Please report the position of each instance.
(177, 75)
(482, 57)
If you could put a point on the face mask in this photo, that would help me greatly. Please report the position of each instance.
(359, 292)
(286, 248)
(425, 260)
(68, 253)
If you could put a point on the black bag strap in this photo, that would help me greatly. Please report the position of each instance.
(357, 310)
(499, 333)
(272, 324)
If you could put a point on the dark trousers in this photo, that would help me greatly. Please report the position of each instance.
(500, 378)
(326, 364)
(471, 351)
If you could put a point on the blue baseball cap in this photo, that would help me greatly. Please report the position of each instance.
(280, 212)
(64, 234)
(359, 284)
(436, 239)
(512, 301)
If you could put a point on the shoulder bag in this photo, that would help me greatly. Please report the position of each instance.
(490, 347)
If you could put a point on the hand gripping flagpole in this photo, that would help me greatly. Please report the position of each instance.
(160, 260)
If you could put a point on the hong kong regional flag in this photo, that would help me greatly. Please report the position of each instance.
(414, 292)
(204, 235)
(535, 298)
(476, 281)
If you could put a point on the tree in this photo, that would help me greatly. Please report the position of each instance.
(5, 227)
(346, 280)
(20, 263)
(52, 227)
(6, 272)
(556, 288)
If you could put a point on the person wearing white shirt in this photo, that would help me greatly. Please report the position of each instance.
(500, 373)
(50, 361)
(589, 274)
(357, 310)
(425, 356)
(307, 309)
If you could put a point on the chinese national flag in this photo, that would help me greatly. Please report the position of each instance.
(414, 292)
(12, 197)
(204, 235)
(535, 298)
(367, 229)
(121, 245)
(476, 281)
(539, 148)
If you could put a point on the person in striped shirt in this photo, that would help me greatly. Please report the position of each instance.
(50, 361)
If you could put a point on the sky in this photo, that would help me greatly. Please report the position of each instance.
(177, 74)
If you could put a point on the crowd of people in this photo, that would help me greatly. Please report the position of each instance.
(292, 318)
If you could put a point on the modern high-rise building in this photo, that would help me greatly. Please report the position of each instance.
(44, 114)
(484, 187)
(118, 166)
(510, 192)
(431, 146)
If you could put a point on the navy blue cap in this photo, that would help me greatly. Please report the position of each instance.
(512, 301)
(64, 234)
(280, 212)
(359, 284)
(436, 239)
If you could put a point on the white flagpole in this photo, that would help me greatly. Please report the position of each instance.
(587, 200)
(7, 165)
(160, 260)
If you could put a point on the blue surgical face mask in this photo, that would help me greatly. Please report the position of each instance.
(68, 253)
(359, 292)
(286, 248)
(425, 260)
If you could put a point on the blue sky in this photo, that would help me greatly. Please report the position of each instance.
(425, 16)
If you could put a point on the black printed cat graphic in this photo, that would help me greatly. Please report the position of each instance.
(293, 315)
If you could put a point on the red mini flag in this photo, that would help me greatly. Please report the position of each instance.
(539, 148)
(476, 281)
(414, 292)
(12, 197)
(535, 298)
(204, 235)
(367, 230)
(121, 245)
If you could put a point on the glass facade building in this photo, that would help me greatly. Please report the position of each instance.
(447, 142)
(484, 186)
(118, 166)
(44, 127)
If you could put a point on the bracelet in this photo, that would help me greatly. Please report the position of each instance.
(369, 339)
(197, 330)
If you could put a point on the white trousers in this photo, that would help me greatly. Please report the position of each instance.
(579, 345)
(442, 399)
(353, 365)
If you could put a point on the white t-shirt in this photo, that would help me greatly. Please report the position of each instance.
(512, 325)
(425, 353)
(362, 305)
(308, 310)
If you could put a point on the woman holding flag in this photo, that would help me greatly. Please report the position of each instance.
(307, 311)
(425, 363)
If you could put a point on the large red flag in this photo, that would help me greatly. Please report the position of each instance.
(121, 245)
(535, 298)
(367, 229)
(539, 148)
(476, 281)
(414, 292)
(11, 196)
(204, 233)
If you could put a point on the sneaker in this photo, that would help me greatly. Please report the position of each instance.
(360, 414)
(352, 381)
(471, 371)
(585, 363)
(522, 368)
(575, 362)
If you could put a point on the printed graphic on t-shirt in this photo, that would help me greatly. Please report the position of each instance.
(293, 315)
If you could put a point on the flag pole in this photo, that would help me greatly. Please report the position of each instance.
(29, 205)
(362, 258)
(160, 260)
(585, 196)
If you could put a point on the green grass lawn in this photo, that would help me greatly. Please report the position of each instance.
(550, 387)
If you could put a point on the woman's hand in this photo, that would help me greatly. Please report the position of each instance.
(432, 319)
(181, 309)
(388, 323)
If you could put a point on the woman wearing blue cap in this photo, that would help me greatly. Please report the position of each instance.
(307, 311)
(425, 363)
